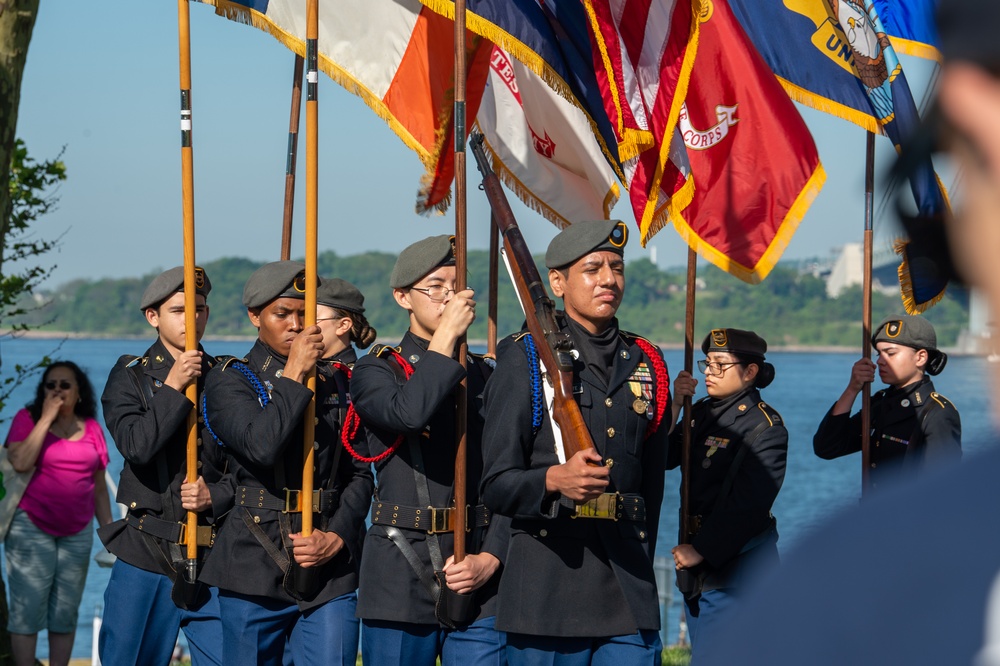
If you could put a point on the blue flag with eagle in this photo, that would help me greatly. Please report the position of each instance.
(835, 56)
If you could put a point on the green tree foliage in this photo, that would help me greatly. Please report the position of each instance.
(30, 195)
(790, 308)
(32, 189)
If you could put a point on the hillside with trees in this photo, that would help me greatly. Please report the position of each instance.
(790, 308)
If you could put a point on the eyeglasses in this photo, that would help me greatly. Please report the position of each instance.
(64, 385)
(436, 292)
(715, 368)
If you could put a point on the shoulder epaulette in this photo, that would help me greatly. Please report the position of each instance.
(516, 337)
(770, 413)
(488, 359)
(226, 361)
(381, 350)
(136, 360)
(942, 401)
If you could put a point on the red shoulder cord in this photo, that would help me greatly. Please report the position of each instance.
(352, 422)
(662, 384)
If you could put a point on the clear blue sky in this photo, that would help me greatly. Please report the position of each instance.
(102, 80)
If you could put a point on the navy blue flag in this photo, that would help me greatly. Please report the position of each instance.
(911, 27)
(836, 57)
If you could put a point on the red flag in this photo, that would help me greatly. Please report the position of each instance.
(753, 161)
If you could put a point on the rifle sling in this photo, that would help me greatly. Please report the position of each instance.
(265, 541)
(424, 497)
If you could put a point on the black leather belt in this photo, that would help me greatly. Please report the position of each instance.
(612, 506)
(432, 520)
(259, 498)
(169, 531)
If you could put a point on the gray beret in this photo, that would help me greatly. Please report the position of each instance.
(340, 294)
(420, 259)
(916, 332)
(274, 280)
(582, 238)
(734, 341)
(170, 282)
(906, 330)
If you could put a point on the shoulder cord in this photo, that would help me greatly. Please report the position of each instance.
(352, 422)
(662, 384)
(537, 409)
(262, 396)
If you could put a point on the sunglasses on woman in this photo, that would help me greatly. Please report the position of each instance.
(64, 385)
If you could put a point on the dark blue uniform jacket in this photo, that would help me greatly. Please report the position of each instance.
(575, 577)
(265, 447)
(423, 410)
(151, 435)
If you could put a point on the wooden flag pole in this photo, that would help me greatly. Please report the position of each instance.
(491, 322)
(692, 275)
(866, 324)
(461, 392)
(190, 326)
(293, 149)
(312, 191)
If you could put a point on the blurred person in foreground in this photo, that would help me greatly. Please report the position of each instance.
(49, 540)
(912, 577)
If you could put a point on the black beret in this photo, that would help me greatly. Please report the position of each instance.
(734, 341)
(340, 294)
(420, 259)
(916, 332)
(278, 279)
(582, 238)
(170, 282)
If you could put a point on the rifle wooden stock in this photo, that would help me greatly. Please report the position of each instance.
(554, 346)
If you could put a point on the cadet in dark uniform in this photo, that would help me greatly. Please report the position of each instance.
(255, 408)
(406, 398)
(578, 584)
(739, 446)
(146, 413)
(912, 425)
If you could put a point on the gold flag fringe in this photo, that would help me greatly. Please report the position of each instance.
(827, 105)
(915, 48)
(906, 283)
(441, 135)
(777, 246)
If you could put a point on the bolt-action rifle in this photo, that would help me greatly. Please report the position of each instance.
(554, 346)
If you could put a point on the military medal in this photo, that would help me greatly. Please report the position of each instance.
(640, 406)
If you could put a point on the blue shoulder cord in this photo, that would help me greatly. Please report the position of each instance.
(262, 397)
(536, 385)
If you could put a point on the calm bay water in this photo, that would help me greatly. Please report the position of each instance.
(803, 390)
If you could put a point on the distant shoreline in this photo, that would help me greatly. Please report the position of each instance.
(58, 335)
